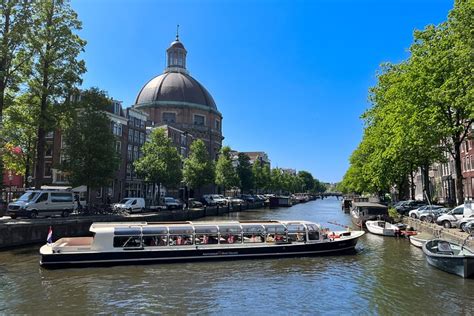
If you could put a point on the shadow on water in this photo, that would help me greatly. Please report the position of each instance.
(384, 276)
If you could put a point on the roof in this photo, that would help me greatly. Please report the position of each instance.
(368, 204)
(175, 87)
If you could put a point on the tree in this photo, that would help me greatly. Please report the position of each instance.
(90, 155)
(244, 171)
(198, 169)
(55, 69)
(226, 175)
(19, 131)
(308, 180)
(160, 162)
(261, 175)
(15, 24)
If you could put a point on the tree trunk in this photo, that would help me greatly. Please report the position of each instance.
(412, 185)
(426, 182)
(459, 177)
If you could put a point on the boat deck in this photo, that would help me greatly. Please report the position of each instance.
(74, 242)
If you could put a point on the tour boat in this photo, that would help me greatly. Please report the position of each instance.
(134, 243)
(382, 228)
(450, 257)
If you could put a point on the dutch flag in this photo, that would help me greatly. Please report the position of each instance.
(49, 239)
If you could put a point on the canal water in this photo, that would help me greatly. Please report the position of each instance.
(386, 276)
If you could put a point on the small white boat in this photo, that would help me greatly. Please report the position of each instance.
(419, 241)
(382, 228)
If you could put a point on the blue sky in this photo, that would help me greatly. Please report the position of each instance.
(290, 77)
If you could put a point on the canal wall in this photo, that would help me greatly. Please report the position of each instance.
(452, 234)
(24, 232)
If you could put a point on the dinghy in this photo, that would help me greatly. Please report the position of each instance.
(382, 228)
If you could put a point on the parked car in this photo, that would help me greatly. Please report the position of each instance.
(417, 212)
(431, 216)
(34, 203)
(214, 199)
(464, 221)
(469, 227)
(130, 204)
(406, 206)
(452, 218)
(247, 198)
(172, 203)
(234, 200)
(193, 203)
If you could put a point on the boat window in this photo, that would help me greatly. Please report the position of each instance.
(276, 233)
(155, 240)
(205, 229)
(204, 239)
(230, 234)
(313, 232)
(127, 242)
(180, 240)
(155, 230)
(374, 211)
(130, 231)
(296, 232)
(253, 233)
(180, 230)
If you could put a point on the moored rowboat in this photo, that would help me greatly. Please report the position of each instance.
(134, 243)
(450, 257)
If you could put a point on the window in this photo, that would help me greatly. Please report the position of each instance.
(49, 135)
(117, 129)
(199, 120)
(136, 137)
(43, 197)
(253, 233)
(47, 169)
(117, 108)
(135, 152)
(48, 149)
(130, 135)
(169, 117)
(129, 170)
(61, 197)
(118, 147)
(218, 125)
(296, 232)
(230, 234)
(142, 138)
(129, 152)
(181, 236)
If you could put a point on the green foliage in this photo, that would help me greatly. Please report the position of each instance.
(56, 69)
(244, 171)
(416, 106)
(160, 162)
(392, 212)
(319, 187)
(308, 180)
(15, 53)
(262, 176)
(226, 176)
(198, 169)
(19, 130)
(90, 153)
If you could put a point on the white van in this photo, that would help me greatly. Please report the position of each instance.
(131, 205)
(452, 218)
(35, 203)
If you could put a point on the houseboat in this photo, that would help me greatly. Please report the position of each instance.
(135, 243)
(365, 211)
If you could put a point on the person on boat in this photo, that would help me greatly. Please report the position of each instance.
(179, 240)
(230, 239)
(204, 239)
(270, 238)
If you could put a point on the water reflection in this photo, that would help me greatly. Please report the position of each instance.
(385, 276)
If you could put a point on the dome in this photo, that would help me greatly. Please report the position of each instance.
(177, 44)
(175, 87)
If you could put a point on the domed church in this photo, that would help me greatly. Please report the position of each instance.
(176, 99)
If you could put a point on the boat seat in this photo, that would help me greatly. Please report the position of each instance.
(445, 248)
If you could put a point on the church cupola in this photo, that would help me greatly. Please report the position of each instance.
(176, 56)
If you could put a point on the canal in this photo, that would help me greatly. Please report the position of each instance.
(386, 276)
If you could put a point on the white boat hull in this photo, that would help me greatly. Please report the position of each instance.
(382, 228)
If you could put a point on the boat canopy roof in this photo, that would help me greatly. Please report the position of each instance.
(368, 205)
(207, 227)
